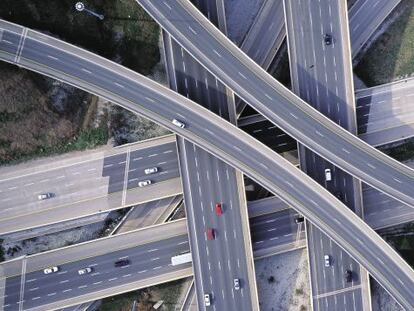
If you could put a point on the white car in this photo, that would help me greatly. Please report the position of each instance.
(327, 260)
(328, 174)
(207, 300)
(85, 271)
(44, 196)
(236, 283)
(50, 270)
(151, 170)
(178, 123)
(144, 183)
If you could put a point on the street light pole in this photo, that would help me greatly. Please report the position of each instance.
(79, 6)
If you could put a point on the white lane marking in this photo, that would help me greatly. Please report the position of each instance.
(346, 151)
(275, 238)
(113, 279)
(126, 275)
(52, 57)
(86, 70)
(64, 281)
(96, 283)
(12, 188)
(371, 166)
(120, 85)
(33, 289)
(294, 116)
(167, 5)
(142, 271)
(31, 280)
(44, 180)
(258, 242)
(152, 250)
(51, 294)
(67, 290)
(153, 155)
(60, 177)
(149, 99)
(35, 298)
(192, 30)
(29, 184)
(159, 267)
(83, 286)
(96, 273)
(181, 243)
(108, 165)
(319, 133)
(122, 162)
(397, 180)
(168, 151)
(91, 169)
(217, 53)
(154, 259)
(242, 75)
(268, 96)
(62, 272)
(270, 230)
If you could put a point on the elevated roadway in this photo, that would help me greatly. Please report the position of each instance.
(87, 184)
(321, 74)
(149, 251)
(55, 58)
(384, 115)
(206, 181)
(251, 83)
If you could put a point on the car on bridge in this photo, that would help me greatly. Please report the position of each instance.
(207, 301)
(211, 234)
(144, 183)
(219, 209)
(86, 270)
(51, 270)
(45, 196)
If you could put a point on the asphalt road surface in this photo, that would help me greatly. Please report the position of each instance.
(161, 105)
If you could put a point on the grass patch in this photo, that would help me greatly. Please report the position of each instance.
(391, 56)
(145, 298)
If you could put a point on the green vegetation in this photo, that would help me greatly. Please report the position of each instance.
(391, 56)
(403, 241)
(146, 298)
(402, 152)
(127, 34)
(299, 291)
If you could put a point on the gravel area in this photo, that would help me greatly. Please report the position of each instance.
(283, 282)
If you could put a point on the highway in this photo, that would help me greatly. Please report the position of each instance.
(87, 184)
(206, 181)
(365, 16)
(149, 250)
(326, 85)
(251, 83)
(219, 137)
(385, 113)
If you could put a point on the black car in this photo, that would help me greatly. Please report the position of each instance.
(327, 38)
(121, 263)
(348, 276)
(299, 219)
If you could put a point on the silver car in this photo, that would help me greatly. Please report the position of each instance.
(236, 283)
(327, 260)
(207, 300)
(178, 123)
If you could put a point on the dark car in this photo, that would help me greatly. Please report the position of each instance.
(348, 276)
(121, 263)
(327, 38)
(299, 219)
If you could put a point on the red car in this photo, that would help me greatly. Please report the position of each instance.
(210, 234)
(219, 209)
